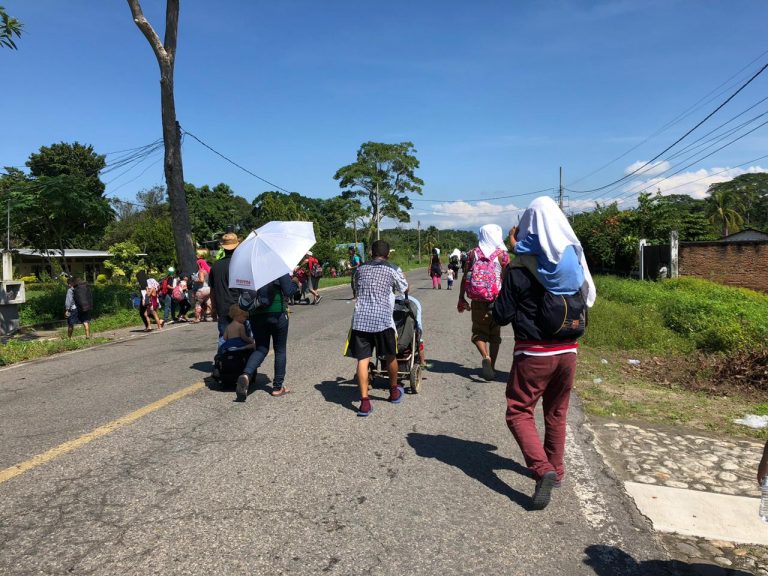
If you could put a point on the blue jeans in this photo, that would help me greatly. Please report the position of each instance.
(169, 307)
(266, 327)
(223, 323)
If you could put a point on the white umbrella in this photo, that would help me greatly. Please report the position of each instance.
(269, 252)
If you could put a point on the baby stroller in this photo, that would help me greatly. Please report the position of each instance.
(408, 341)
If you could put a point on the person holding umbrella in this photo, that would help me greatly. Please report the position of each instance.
(269, 321)
(262, 263)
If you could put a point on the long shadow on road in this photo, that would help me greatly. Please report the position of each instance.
(344, 393)
(476, 459)
(445, 367)
(609, 560)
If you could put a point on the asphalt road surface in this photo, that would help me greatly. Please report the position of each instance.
(103, 471)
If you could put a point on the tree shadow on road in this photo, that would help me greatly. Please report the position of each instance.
(476, 459)
(444, 367)
(609, 560)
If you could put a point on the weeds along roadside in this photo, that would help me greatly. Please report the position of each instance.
(685, 333)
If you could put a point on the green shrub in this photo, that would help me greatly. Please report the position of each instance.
(28, 279)
(101, 279)
(48, 305)
(712, 317)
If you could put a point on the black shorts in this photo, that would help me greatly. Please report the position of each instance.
(314, 281)
(361, 344)
(84, 316)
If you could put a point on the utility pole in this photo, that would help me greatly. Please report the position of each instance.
(560, 202)
(418, 226)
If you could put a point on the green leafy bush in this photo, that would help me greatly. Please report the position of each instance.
(710, 316)
(48, 305)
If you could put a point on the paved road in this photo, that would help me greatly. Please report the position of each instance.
(292, 485)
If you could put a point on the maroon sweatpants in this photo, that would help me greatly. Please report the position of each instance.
(549, 378)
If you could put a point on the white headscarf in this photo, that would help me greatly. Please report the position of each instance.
(490, 239)
(544, 218)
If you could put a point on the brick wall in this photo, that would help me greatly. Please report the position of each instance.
(743, 264)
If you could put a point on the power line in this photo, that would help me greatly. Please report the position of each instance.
(715, 92)
(235, 163)
(676, 142)
(483, 199)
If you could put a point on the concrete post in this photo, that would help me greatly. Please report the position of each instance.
(7, 265)
(674, 247)
(640, 245)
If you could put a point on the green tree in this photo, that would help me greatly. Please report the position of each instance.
(9, 27)
(269, 206)
(61, 203)
(724, 210)
(748, 194)
(215, 210)
(384, 176)
(124, 261)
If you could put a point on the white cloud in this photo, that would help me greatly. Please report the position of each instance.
(653, 169)
(694, 183)
(466, 215)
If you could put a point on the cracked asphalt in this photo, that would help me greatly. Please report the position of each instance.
(298, 484)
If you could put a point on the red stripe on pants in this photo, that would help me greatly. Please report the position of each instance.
(549, 378)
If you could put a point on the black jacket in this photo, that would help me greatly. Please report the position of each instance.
(518, 302)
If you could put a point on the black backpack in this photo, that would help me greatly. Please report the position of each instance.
(83, 297)
(562, 316)
(559, 316)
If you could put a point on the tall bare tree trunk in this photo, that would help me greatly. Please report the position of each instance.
(165, 52)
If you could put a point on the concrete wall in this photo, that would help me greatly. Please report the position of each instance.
(743, 264)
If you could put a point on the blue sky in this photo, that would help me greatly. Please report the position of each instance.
(495, 96)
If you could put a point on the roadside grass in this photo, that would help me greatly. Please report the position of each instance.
(15, 351)
(665, 326)
(616, 390)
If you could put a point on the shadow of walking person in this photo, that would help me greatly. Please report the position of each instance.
(476, 459)
(609, 560)
(443, 367)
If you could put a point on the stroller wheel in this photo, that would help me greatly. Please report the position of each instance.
(415, 378)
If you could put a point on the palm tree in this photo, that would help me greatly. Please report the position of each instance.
(723, 211)
(9, 27)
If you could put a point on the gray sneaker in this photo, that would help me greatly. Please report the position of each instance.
(242, 388)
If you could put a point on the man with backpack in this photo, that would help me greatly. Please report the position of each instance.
(315, 272)
(78, 305)
(486, 265)
(545, 296)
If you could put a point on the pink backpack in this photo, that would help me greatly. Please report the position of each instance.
(483, 284)
(177, 293)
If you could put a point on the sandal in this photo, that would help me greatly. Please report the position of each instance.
(280, 391)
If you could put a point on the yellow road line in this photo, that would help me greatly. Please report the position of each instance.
(108, 428)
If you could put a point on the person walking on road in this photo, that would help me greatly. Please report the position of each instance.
(166, 295)
(77, 307)
(314, 273)
(269, 321)
(222, 296)
(436, 271)
(762, 469)
(372, 323)
(481, 282)
(548, 279)
(354, 263)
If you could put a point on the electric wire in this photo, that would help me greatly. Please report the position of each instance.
(235, 163)
(676, 142)
(714, 93)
